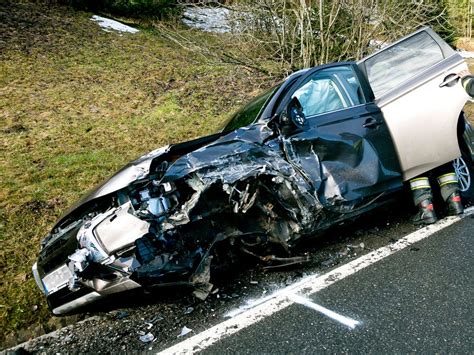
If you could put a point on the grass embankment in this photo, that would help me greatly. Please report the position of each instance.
(77, 103)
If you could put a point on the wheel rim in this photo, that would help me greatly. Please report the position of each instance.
(462, 172)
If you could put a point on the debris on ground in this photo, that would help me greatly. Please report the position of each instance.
(121, 315)
(155, 319)
(184, 331)
(146, 338)
(329, 262)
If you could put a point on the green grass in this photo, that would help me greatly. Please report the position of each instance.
(76, 104)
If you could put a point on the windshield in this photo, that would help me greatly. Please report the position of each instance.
(249, 112)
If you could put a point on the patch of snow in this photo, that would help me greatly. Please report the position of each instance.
(466, 54)
(375, 43)
(209, 19)
(108, 24)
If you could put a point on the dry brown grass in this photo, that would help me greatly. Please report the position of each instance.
(77, 103)
(465, 43)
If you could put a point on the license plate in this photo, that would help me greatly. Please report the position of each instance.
(57, 279)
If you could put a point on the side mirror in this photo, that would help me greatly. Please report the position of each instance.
(294, 112)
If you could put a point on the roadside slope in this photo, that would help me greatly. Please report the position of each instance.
(77, 103)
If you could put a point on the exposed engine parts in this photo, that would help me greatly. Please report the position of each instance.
(165, 231)
(239, 196)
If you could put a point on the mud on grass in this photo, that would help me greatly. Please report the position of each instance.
(76, 104)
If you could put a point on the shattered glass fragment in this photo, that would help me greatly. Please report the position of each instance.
(121, 315)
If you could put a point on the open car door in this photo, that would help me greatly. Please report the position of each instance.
(416, 86)
(341, 142)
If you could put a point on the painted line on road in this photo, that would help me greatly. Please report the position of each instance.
(349, 322)
(247, 316)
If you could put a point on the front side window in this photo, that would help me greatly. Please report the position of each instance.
(395, 65)
(329, 90)
(250, 112)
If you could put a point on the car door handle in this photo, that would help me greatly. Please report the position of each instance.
(371, 123)
(449, 80)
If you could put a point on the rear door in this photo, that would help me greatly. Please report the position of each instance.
(344, 148)
(416, 87)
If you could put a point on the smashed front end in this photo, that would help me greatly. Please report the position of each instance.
(186, 213)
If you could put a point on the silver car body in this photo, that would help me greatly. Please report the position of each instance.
(415, 85)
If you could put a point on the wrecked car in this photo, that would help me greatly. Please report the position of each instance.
(327, 144)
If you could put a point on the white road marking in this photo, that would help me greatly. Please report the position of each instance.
(279, 300)
(351, 323)
(283, 292)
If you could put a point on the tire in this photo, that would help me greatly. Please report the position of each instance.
(464, 169)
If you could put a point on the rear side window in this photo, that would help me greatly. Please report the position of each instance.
(393, 66)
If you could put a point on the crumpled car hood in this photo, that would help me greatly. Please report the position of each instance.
(235, 150)
(135, 170)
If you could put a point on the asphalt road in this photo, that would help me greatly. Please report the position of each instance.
(417, 300)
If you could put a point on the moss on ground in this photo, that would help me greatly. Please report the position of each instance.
(76, 104)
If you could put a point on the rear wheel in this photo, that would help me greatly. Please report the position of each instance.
(464, 170)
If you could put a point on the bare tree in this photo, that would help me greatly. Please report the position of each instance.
(304, 33)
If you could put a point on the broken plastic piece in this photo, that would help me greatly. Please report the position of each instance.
(79, 259)
(121, 315)
(185, 331)
(155, 319)
(148, 337)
